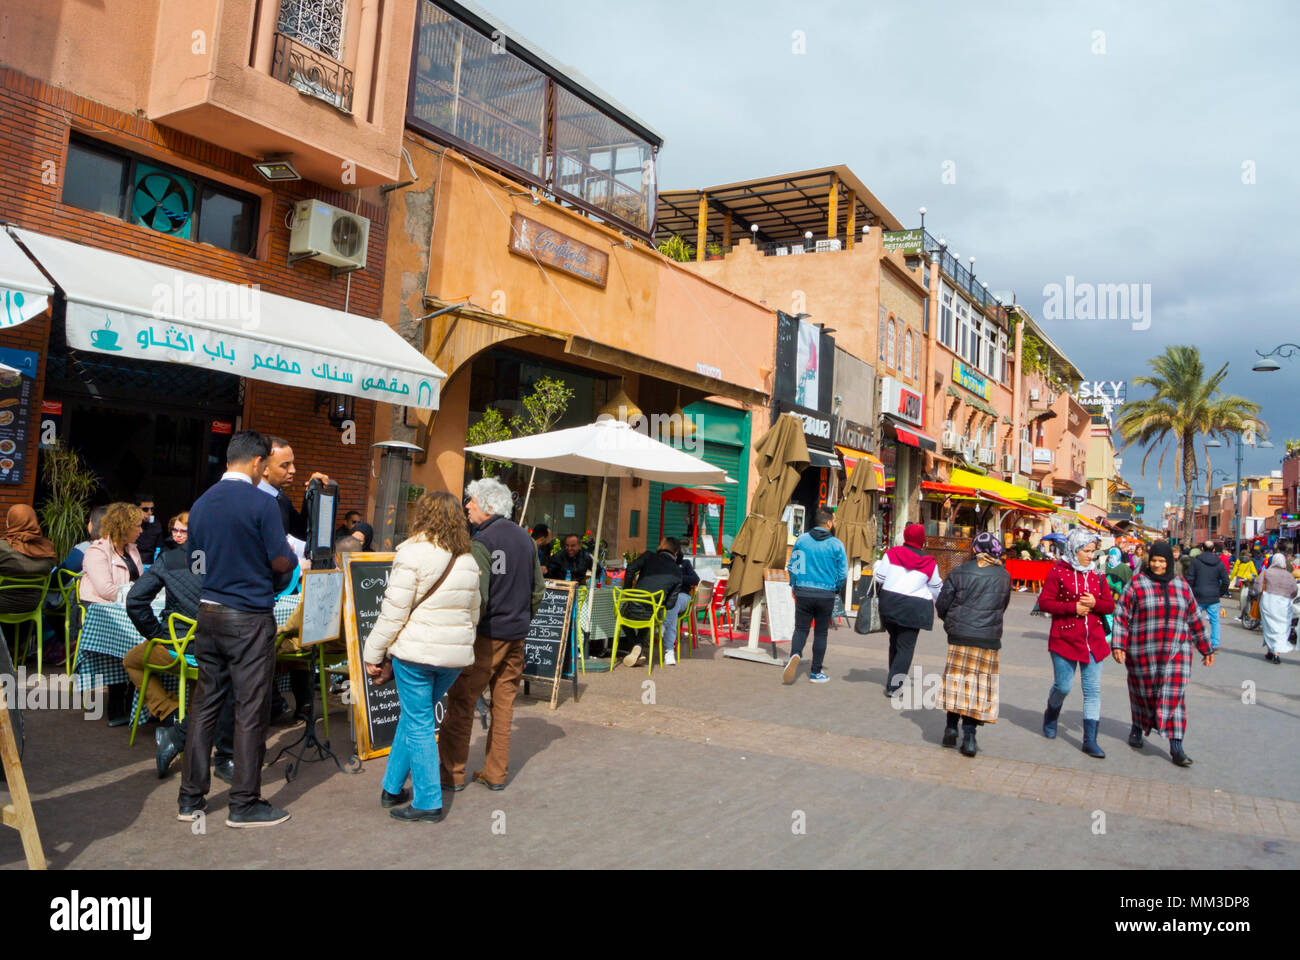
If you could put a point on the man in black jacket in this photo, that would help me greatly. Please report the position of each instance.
(653, 571)
(277, 476)
(1209, 581)
(173, 574)
(514, 585)
(571, 563)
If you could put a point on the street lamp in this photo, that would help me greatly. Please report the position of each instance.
(1265, 365)
(1236, 505)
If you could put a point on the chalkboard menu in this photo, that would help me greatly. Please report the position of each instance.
(548, 635)
(375, 709)
(15, 412)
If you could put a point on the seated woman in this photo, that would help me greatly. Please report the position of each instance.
(178, 533)
(24, 553)
(112, 561)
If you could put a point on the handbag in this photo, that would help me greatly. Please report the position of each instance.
(868, 618)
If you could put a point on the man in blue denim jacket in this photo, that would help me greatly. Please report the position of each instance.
(819, 567)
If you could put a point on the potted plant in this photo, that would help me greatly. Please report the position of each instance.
(713, 251)
(71, 484)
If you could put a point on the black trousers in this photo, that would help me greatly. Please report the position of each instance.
(236, 654)
(902, 644)
(812, 612)
(225, 746)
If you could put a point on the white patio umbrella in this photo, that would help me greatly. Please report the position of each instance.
(607, 448)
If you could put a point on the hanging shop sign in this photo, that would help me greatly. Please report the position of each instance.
(805, 365)
(901, 402)
(531, 239)
(858, 436)
(976, 383)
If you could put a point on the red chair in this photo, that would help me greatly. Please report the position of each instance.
(719, 608)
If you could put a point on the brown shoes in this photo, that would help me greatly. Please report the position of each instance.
(478, 775)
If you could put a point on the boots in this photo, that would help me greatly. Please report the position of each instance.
(1090, 740)
(1176, 754)
(968, 746)
(950, 731)
(1135, 737)
(1054, 701)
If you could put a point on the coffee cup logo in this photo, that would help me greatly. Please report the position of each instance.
(105, 339)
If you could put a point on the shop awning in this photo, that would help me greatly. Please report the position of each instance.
(850, 458)
(819, 458)
(148, 311)
(911, 436)
(1022, 498)
(24, 291)
(947, 489)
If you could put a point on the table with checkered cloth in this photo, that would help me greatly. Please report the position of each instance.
(107, 635)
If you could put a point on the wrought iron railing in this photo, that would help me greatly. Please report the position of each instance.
(312, 72)
(963, 278)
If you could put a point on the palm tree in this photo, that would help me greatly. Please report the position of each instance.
(1184, 403)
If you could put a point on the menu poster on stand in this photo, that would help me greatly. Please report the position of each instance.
(15, 412)
(376, 710)
(547, 640)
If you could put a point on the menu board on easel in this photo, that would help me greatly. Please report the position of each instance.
(547, 640)
(15, 412)
(376, 710)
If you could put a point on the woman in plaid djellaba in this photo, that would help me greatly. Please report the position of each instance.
(1156, 620)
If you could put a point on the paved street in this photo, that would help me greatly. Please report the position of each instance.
(725, 766)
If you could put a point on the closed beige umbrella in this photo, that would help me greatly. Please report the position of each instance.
(855, 522)
(781, 456)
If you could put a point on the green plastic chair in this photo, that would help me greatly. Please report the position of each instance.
(68, 584)
(179, 667)
(656, 602)
(34, 617)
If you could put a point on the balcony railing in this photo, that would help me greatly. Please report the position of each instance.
(963, 279)
(312, 72)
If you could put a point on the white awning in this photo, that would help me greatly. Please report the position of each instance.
(24, 291)
(149, 311)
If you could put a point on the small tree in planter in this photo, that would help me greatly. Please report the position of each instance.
(71, 484)
(490, 428)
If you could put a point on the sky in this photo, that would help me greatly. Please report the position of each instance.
(1154, 144)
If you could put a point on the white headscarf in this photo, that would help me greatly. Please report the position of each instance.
(1076, 540)
(1278, 560)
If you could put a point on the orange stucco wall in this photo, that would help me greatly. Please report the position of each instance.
(203, 67)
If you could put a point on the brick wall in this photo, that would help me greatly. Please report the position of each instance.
(35, 122)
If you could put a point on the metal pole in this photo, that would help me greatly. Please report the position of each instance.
(1236, 504)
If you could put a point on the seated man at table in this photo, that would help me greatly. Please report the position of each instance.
(173, 574)
(653, 571)
(571, 563)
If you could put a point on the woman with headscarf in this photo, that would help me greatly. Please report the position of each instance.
(971, 604)
(24, 554)
(1077, 599)
(909, 582)
(364, 534)
(1156, 618)
(1275, 608)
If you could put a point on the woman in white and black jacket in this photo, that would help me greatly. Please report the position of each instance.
(909, 583)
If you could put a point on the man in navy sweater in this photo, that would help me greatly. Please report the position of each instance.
(238, 544)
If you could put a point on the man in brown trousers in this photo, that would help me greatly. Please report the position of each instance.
(511, 585)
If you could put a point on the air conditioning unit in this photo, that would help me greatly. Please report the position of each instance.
(951, 440)
(826, 246)
(328, 234)
(988, 455)
(1033, 395)
(1008, 463)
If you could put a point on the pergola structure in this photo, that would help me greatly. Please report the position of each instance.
(830, 203)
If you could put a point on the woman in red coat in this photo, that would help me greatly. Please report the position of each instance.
(1076, 598)
(1156, 622)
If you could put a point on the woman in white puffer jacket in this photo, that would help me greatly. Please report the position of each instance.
(426, 625)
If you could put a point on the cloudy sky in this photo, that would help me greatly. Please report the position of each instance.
(1151, 143)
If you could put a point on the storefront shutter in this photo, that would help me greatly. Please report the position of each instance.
(728, 457)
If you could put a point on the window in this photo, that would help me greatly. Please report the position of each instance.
(160, 198)
(916, 361)
(317, 23)
(990, 350)
(889, 345)
(907, 356)
(880, 334)
(902, 368)
(945, 318)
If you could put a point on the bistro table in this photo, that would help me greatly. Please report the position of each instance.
(107, 635)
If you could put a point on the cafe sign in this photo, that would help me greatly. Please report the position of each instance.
(977, 384)
(907, 242)
(901, 402)
(854, 435)
(540, 243)
(816, 427)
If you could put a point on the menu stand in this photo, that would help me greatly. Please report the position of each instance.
(307, 742)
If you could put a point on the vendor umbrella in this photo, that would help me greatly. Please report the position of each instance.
(607, 448)
(855, 522)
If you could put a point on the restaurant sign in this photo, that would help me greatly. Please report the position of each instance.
(854, 435)
(907, 242)
(964, 376)
(816, 426)
(538, 242)
(900, 401)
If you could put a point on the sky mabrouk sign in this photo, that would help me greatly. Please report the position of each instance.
(1103, 394)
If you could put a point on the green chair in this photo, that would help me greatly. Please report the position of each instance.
(179, 667)
(68, 584)
(34, 617)
(312, 656)
(656, 602)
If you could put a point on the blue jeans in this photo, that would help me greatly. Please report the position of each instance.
(1090, 680)
(415, 746)
(1212, 610)
(680, 603)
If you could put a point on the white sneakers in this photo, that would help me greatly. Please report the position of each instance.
(633, 656)
(670, 659)
(791, 669)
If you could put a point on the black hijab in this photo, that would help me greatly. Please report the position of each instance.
(1160, 548)
(368, 532)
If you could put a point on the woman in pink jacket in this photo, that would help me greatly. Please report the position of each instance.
(112, 561)
(1076, 598)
